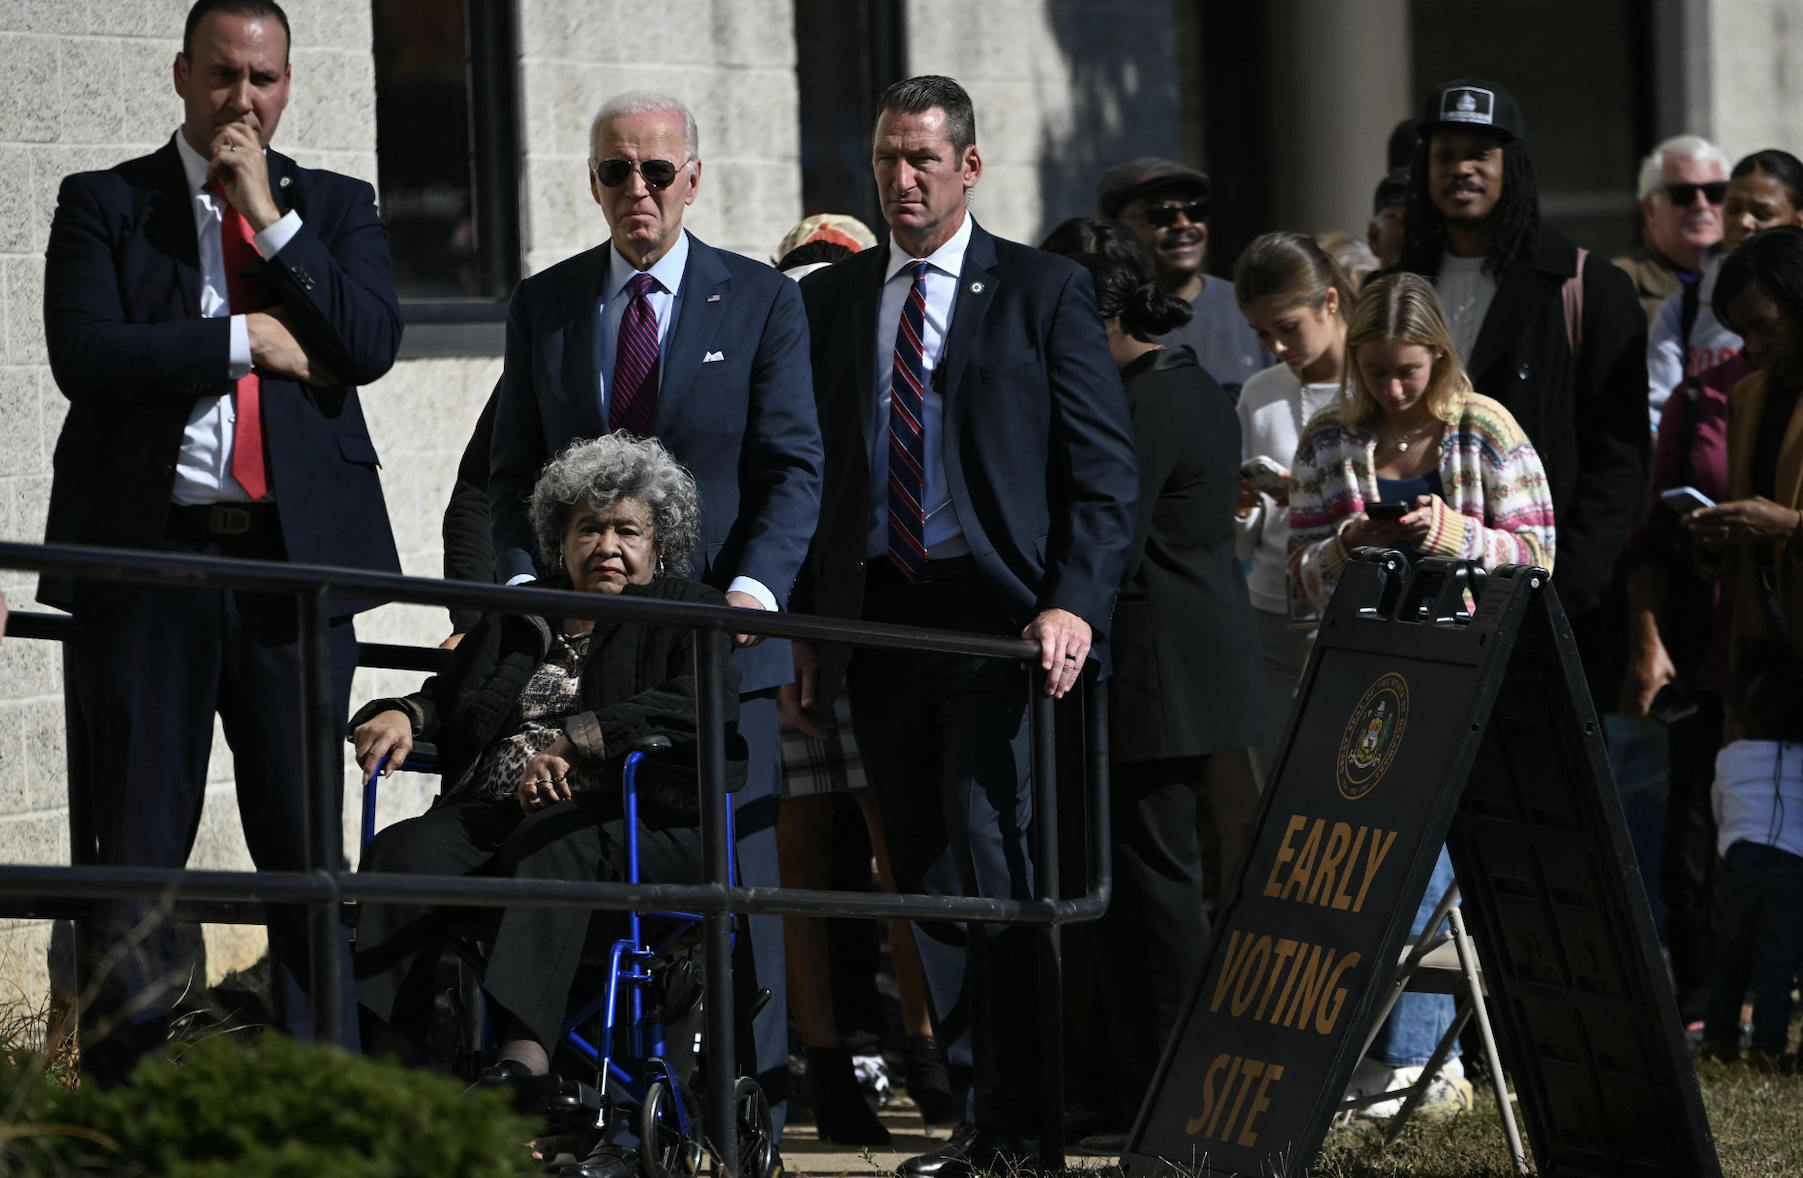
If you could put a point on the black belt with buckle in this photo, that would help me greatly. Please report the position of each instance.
(951, 568)
(222, 519)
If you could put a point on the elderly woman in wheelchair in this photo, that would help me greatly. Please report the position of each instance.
(532, 720)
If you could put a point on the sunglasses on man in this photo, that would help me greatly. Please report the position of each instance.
(658, 174)
(1163, 216)
(1683, 196)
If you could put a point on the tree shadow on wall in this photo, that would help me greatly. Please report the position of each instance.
(1123, 98)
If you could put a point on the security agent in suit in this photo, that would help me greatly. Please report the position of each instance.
(209, 309)
(658, 333)
(981, 477)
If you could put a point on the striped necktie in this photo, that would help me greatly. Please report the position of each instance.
(632, 401)
(907, 448)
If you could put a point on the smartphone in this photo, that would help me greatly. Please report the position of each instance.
(1685, 500)
(1671, 704)
(1265, 474)
(1386, 512)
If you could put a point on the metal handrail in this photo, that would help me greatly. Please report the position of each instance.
(325, 884)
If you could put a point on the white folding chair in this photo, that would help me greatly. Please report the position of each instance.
(1443, 962)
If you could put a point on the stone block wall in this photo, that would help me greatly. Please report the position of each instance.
(731, 61)
(1755, 75)
(1063, 90)
(89, 85)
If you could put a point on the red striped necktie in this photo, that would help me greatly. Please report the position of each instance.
(907, 442)
(632, 400)
(244, 293)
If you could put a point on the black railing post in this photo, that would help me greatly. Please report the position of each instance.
(711, 653)
(322, 778)
(1095, 748)
(1051, 977)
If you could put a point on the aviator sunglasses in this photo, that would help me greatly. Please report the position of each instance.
(1684, 195)
(1165, 215)
(658, 174)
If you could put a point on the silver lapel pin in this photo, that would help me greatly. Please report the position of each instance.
(976, 288)
(286, 181)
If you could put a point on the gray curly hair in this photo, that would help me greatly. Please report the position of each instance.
(611, 467)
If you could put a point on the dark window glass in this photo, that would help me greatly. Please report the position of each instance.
(446, 160)
(847, 53)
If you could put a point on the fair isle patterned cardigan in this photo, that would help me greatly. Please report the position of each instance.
(1496, 509)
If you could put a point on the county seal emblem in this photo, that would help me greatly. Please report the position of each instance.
(1373, 734)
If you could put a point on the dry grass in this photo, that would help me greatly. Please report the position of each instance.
(1757, 1121)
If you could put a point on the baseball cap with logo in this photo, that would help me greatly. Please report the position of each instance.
(1472, 103)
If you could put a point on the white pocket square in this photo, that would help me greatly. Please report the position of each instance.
(713, 356)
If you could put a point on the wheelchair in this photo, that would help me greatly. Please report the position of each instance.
(642, 1063)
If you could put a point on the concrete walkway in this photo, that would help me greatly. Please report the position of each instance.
(804, 1154)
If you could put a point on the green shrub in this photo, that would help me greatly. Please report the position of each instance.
(275, 1108)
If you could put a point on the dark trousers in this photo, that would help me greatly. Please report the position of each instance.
(1687, 855)
(945, 746)
(754, 844)
(153, 665)
(1759, 944)
(536, 951)
(1154, 935)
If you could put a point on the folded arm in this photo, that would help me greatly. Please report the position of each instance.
(339, 295)
(90, 340)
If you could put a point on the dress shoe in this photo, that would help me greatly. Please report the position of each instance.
(606, 1160)
(840, 1114)
(928, 1084)
(973, 1151)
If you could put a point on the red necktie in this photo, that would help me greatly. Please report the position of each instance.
(244, 294)
(632, 402)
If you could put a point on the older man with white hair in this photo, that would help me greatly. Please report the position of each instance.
(656, 333)
(1682, 184)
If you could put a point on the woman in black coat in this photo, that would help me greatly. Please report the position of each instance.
(1183, 645)
(532, 721)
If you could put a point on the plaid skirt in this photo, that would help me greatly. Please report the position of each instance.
(826, 765)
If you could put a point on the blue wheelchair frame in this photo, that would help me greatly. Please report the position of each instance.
(628, 960)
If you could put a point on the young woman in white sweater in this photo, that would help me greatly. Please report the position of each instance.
(1297, 299)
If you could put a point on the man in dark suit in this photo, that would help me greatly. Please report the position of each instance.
(209, 309)
(980, 476)
(658, 334)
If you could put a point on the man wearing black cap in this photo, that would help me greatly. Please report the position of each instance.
(1166, 203)
(1553, 332)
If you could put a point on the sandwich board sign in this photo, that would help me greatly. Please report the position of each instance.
(1439, 706)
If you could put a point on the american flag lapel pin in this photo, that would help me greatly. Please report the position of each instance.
(713, 298)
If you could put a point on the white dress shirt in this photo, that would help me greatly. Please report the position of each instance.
(666, 304)
(944, 535)
(203, 470)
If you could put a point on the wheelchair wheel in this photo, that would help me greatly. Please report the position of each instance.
(665, 1151)
(757, 1135)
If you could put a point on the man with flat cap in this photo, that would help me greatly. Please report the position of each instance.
(1166, 203)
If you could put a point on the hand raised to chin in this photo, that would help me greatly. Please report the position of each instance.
(236, 161)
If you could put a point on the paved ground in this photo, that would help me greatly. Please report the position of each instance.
(805, 1154)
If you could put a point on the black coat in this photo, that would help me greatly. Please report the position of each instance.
(130, 351)
(1185, 643)
(639, 681)
(469, 550)
(1037, 443)
(1588, 418)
